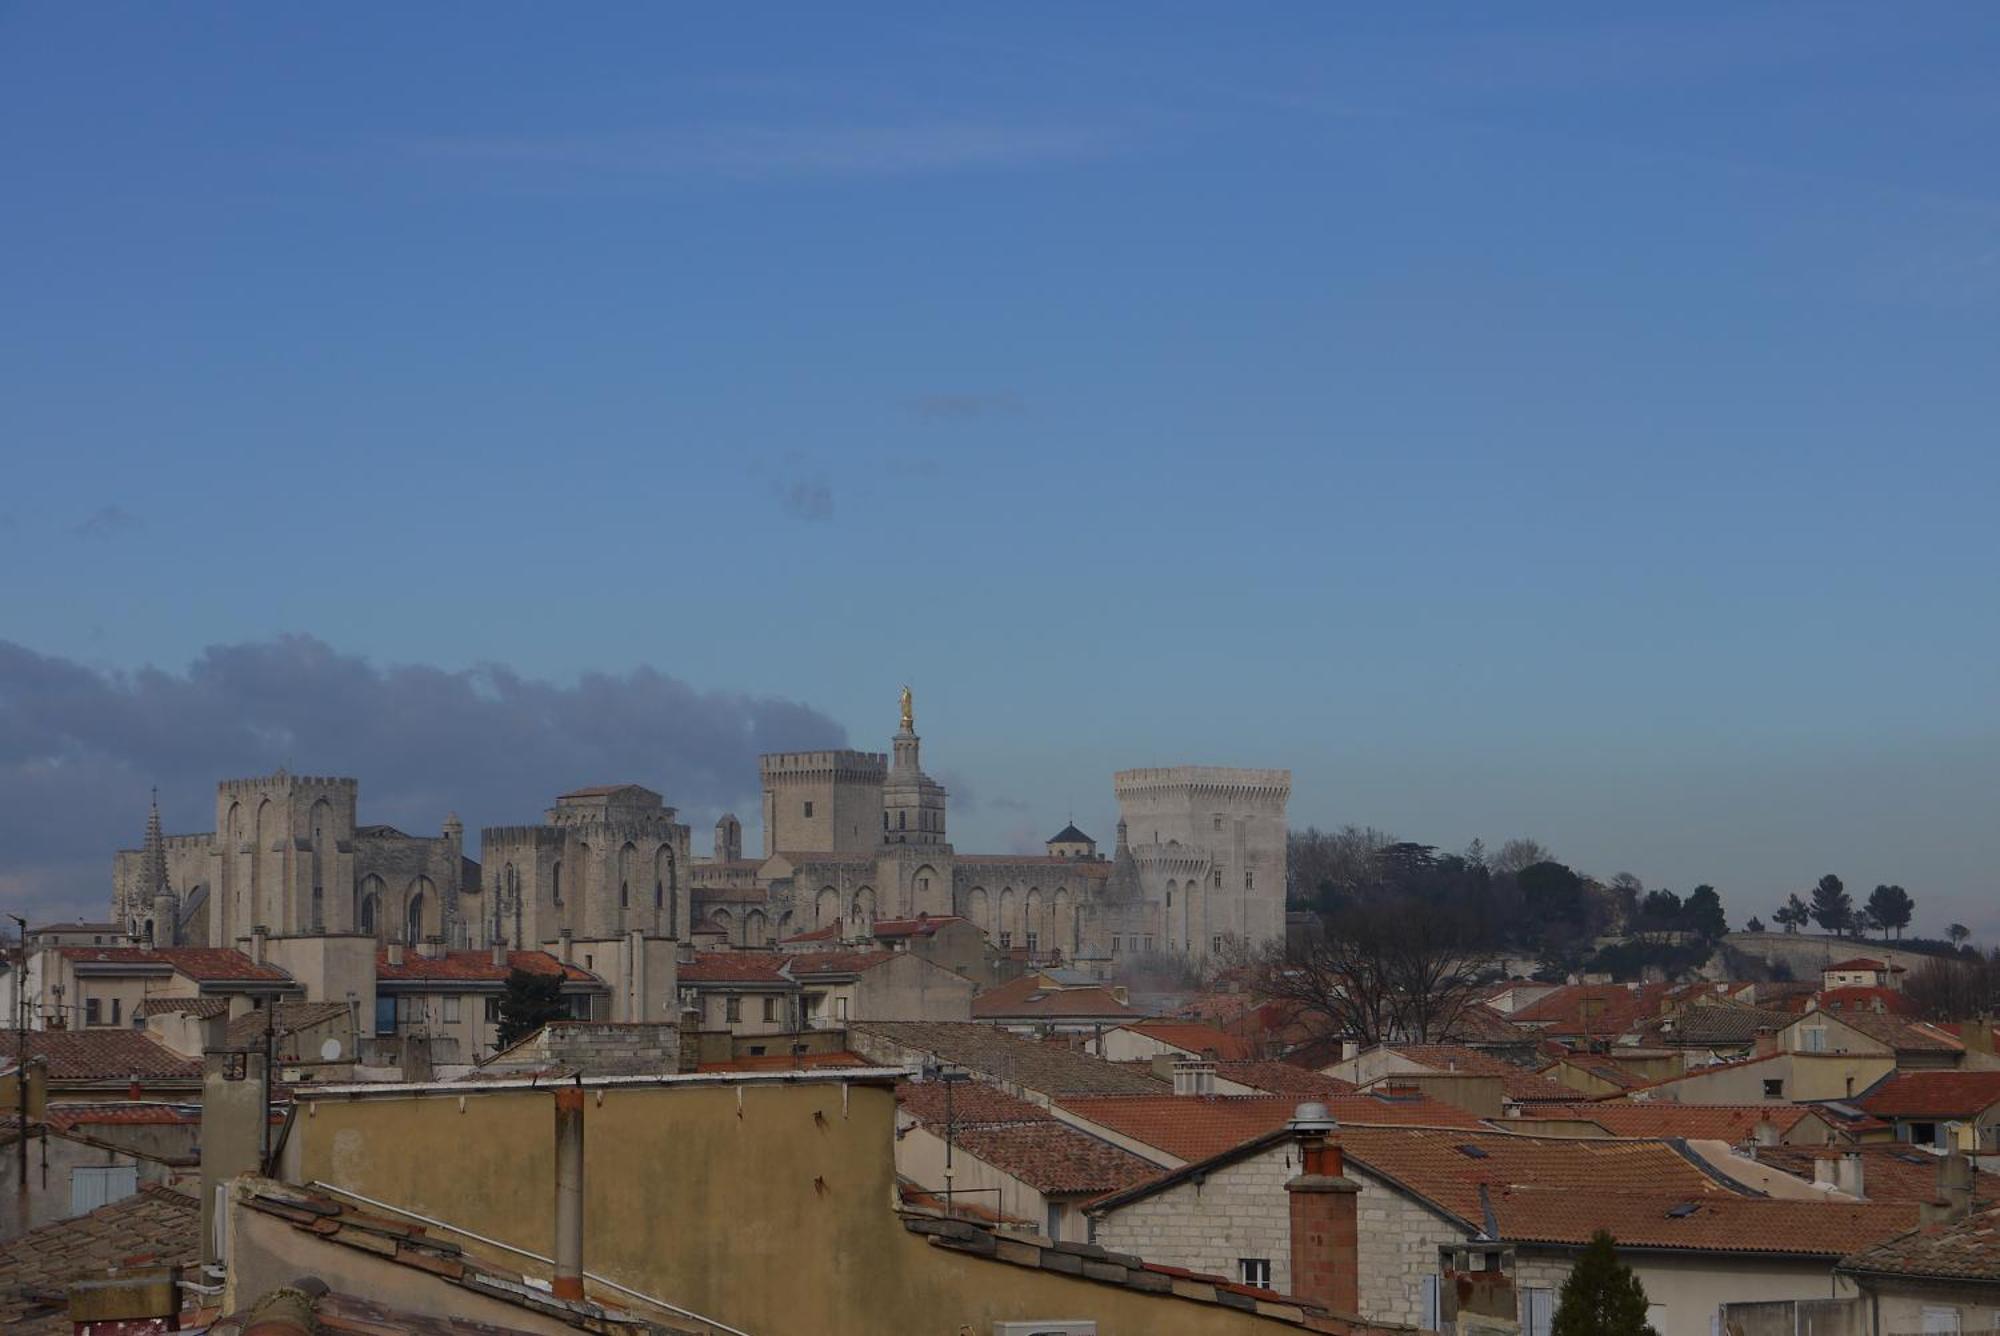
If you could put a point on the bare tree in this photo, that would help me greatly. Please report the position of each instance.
(1956, 989)
(1341, 859)
(1517, 854)
(1387, 968)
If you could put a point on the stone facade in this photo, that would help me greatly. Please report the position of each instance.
(606, 862)
(853, 836)
(287, 855)
(1239, 1210)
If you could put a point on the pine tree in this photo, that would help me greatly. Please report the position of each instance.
(1601, 1297)
(531, 1000)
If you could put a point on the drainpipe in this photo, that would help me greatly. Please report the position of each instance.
(569, 1193)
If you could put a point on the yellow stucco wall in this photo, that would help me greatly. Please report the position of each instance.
(767, 1206)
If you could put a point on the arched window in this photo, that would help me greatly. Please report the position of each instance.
(367, 918)
(555, 881)
(413, 925)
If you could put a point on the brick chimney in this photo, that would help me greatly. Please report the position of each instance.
(1325, 1208)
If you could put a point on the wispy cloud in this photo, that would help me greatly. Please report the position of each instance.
(107, 522)
(965, 407)
(782, 151)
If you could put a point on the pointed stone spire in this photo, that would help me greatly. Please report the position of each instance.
(153, 869)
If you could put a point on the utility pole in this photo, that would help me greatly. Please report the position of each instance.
(21, 1047)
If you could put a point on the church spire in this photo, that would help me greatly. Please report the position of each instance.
(153, 871)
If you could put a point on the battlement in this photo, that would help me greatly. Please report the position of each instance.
(283, 779)
(841, 764)
(1221, 779)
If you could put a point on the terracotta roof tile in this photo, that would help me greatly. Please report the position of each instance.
(1197, 1038)
(1283, 1078)
(921, 926)
(287, 1018)
(1009, 1059)
(785, 1062)
(1734, 1123)
(1882, 1001)
(972, 1103)
(1890, 1171)
(100, 1055)
(744, 967)
(154, 1226)
(1966, 1250)
(1031, 997)
(1932, 1095)
(204, 964)
(1517, 1082)
(1194, 1127)
(182, 1006)
(1055, 1157)
(837, 962)
(1557, 1190)
(1857, 963)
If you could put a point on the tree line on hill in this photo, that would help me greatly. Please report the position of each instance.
(1403, 935)
(1888, 909)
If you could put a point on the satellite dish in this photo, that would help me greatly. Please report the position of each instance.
(329, 1050)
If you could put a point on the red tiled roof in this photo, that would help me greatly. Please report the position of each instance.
(475, 967)
(1562, 1190)
(1966, 1250)
(829, 933)
(1516, 1082)
(1603, 1068)
(126, 1113)
(1283, 1078)
(1031, 996)
(1194, 1037)
(204, 1007)
(837, 962)
(1856, 963)
(204, 964)
(1055, 1157)
(1900, 1033)
(1194, 1127)
(734, 967)
(153, 1226)
(1932, 1095)
(972, 1103)
(1597, 1009)
(101, 1055)
(1668, 1118)
(1890, 1171)
(286, 1019)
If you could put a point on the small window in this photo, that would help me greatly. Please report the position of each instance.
(732, 1010)
(1218, 826)
(1034, 939)
(902, 821)
(1249, 880)
(117, 1011)
(492, 1011)
(1114, 943)
(1170, 899)
(809, 809)
(770, 1010)
(1215, 944)
(451, 1011)
(1252, 1270)
(840, 1007)
(1217, 882)
(1006, 939)
(1774, 1088)
(1053, 1221)
(1149, 941)
(90, 1016)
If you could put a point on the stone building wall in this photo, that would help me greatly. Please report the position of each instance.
(1242, 1210)
(1232, 818)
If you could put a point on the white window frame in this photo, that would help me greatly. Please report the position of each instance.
(1254, 1271)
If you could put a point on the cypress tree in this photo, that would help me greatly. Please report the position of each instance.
(1601, 1297)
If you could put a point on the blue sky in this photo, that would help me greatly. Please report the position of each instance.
(1567, 421)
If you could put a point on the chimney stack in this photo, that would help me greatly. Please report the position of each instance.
(1848, 1175)
(568, 1283)
(1766, 1133)
(1955, 1185)
(500, 953)
(1325, 1208)
(259, 935)
(395, 953)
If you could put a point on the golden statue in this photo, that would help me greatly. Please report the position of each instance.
(909, 719)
